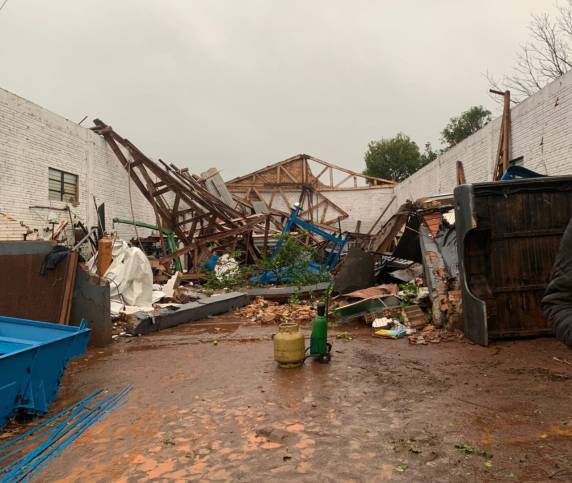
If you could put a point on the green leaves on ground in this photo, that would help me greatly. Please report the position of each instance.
(468, 450)
(292, 262)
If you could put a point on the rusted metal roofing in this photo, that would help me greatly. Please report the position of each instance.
(366, 293)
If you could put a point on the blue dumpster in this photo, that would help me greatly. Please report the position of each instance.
(33, 356)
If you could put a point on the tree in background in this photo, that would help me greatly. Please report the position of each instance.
(398, 157)
(393, 158)
(461, 127)
(547, 56)
(430, 154)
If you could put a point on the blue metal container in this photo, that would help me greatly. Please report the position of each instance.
(33, 356)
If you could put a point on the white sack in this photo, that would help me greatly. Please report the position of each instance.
(130, 276)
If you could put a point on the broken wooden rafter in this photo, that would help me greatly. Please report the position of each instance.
(208, 239)
(502, 159)
(174, 192)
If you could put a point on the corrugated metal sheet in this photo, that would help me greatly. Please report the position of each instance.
(366, 293)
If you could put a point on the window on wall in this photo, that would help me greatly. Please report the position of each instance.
(63, 186)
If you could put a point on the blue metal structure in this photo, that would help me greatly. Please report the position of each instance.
(520, 172)
(338, 242)
(33, 356)
(27, 454)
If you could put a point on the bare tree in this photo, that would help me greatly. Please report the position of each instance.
(547, 56)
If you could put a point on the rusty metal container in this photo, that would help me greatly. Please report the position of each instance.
(289, 347)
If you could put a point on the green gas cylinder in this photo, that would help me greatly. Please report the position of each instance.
(319, 338)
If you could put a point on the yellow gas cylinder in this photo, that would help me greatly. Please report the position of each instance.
(289, 348)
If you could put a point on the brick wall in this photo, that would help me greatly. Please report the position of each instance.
(32, 140)
(541, 133)
(361, 204)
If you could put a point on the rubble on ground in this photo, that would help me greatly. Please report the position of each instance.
(431, 335)
(263, 311)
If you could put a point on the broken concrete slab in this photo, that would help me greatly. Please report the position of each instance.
(282, 293)
(356, 271)
(145, 323)
(407, 274)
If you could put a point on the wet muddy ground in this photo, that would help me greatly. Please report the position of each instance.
(208, 403)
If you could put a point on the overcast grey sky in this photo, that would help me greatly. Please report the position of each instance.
(239, 84)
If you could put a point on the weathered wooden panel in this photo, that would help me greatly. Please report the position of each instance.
(25, 293)
(508, 250)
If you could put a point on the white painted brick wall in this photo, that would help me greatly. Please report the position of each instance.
(541, 132)
(32, 140)
(363, 204)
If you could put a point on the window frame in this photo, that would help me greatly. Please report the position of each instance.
(58, 176)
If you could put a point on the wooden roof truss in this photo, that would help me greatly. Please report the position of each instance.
(182, 203)
(304, 169)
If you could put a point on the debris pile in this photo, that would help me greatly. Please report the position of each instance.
(395, 311)
(263, 311)
(416, 248)
(431, 335)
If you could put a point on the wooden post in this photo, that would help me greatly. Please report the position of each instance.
(370, 231)
(461, 173)
(69, 285)
(502, 159)
(506, 133)
(266, 230)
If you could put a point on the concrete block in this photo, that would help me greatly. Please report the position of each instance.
(356, 272)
